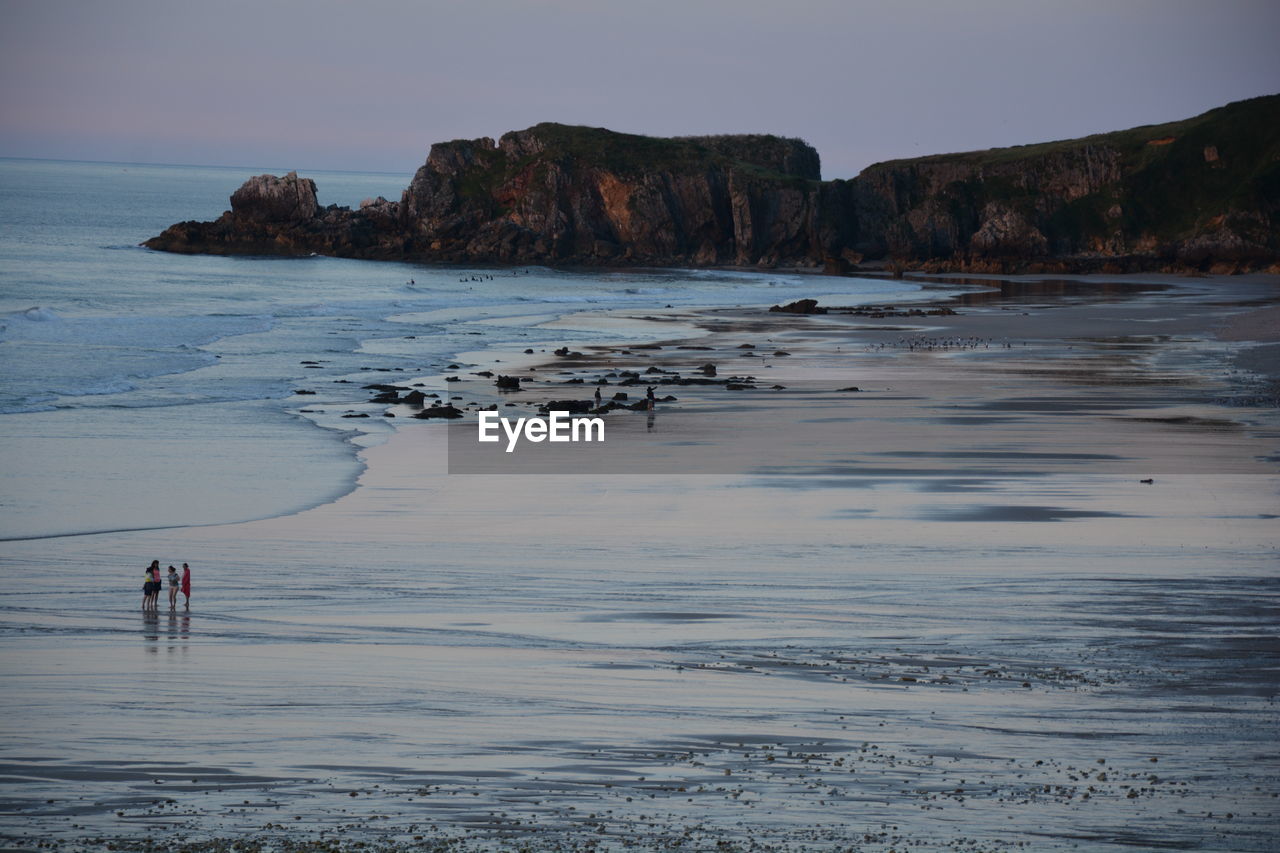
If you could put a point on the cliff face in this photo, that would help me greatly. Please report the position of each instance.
(570, 194)
(1201, 193)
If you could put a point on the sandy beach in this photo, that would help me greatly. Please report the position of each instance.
(1018, 590)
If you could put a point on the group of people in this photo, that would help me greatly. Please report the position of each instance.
(153, 584)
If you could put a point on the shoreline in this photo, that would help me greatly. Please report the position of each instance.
(930, 608)
(1248, 326)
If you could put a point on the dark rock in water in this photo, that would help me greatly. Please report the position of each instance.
(620, 396)
(507, 383)
(668, 399)
(356, 415)
(301, 392)
(708, 369)
(562, 352)
(800, 306)
(850, 388)
(446, 411)
(778, 387)
(746, 346)
(414, 398)
(453, 379)
(451, 367)
(528, 352)
(737, 386)
(692, 347)
(577, 380)
(386, 397)
(485, 373)
(781, 352)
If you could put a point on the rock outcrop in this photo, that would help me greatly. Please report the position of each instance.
(1202, 193)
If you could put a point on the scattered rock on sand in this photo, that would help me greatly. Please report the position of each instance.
(574, 407)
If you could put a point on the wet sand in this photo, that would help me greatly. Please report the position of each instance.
(943, 611)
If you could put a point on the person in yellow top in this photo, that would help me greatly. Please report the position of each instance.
(151, 585)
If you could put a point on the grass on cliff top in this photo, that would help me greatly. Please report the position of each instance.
(1253, 117)
(627, 153)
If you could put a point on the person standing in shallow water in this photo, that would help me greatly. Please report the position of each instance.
(173, 587)
(147, 588)
(186, 584)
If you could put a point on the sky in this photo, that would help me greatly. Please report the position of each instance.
(369, 85)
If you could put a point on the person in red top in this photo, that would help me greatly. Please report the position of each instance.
(186, 584)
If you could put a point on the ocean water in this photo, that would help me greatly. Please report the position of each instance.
(144, 390)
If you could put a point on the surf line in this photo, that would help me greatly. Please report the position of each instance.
(557, 426)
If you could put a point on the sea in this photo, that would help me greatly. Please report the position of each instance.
(143, 390)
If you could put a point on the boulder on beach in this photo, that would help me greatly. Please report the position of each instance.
(800, 306)
(447, 411)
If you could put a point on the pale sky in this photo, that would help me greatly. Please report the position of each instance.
(370, 84)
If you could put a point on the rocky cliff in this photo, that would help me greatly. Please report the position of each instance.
(1202, 193)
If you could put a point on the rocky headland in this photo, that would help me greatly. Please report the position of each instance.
(1196, 195)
